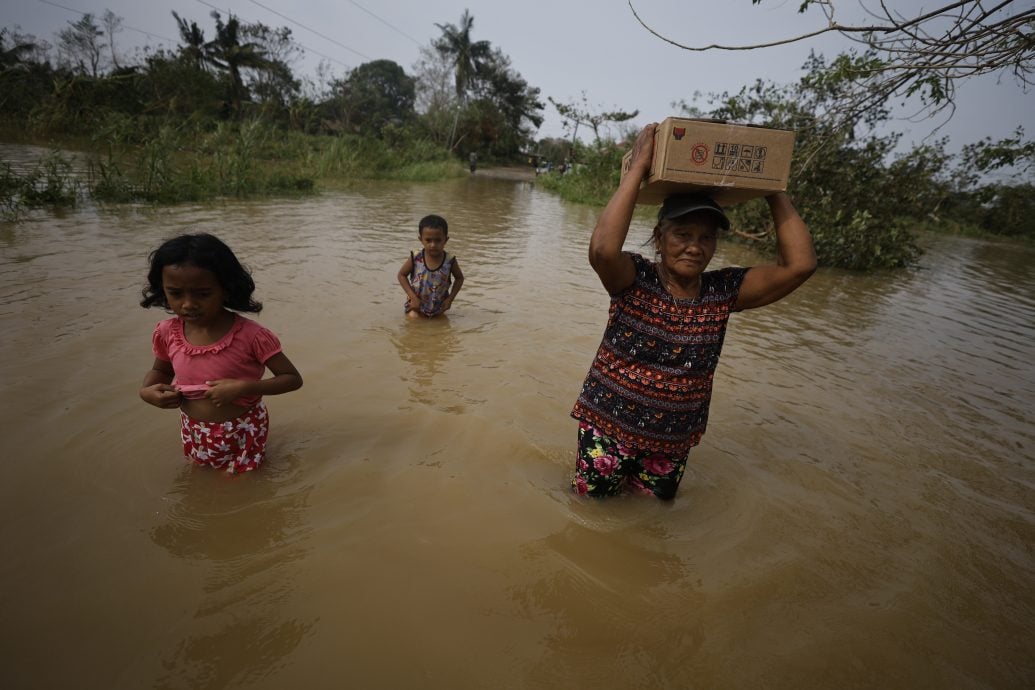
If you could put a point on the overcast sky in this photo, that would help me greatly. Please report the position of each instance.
(564, 47)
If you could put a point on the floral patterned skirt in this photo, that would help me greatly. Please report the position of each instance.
(604, 467)
(235, 446)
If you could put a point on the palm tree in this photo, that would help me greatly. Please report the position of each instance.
(469, 58)
(227, 52)
(193, 48)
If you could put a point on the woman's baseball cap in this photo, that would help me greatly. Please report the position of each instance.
(677, 205)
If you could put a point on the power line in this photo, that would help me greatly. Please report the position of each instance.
(149, 34)
(386, 23)
(300, 45)
(326, 38)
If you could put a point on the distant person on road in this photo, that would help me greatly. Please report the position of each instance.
(644, 403)
(473, 161)
(431, 278)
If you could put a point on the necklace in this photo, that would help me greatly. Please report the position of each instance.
(669, 285)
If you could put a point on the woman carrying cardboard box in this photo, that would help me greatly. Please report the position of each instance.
(644, 403)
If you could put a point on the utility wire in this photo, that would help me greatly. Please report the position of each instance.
(149, 34)
(326, 38)
(300, 45)
(383, 21)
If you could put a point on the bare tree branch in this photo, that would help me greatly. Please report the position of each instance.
(923, 56)
(970, 39)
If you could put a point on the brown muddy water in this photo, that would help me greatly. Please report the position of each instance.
(861, 513)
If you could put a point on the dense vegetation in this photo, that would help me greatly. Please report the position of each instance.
(227, 116)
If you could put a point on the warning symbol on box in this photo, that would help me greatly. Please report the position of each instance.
(699, 154)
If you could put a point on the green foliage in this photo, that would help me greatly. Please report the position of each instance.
(51, 183)
(401, 154)
(373, 96)
(592, 180)
(1009, 210)
(175, 86)
(994, 209)
(847, 184)
(468, 56)
(496, 111)
(862, 199)
(231, 52)
(1012, 152)
(240, 159)
(177, 164)
(516, 104)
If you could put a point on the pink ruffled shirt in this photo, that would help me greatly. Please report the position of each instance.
(240, 354)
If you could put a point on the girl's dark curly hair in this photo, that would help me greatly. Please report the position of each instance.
(208, 252)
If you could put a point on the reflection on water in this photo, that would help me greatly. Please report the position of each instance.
(860, 514)
(425, 346)
(248, 543)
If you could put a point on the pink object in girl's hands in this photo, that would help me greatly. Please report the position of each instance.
(193, 391)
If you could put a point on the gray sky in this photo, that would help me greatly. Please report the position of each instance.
(564, 47)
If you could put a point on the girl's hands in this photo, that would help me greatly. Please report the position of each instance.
(413, 303)
(225, 391)
(161, 395)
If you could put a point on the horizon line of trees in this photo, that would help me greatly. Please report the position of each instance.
(861, 194)
(463, 94)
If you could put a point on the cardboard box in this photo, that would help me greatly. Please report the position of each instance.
(732, 163)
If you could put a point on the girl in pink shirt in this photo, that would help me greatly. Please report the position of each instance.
(209, 360)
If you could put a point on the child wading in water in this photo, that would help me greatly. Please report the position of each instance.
(209, 361)
(645, 401)
(425, 277)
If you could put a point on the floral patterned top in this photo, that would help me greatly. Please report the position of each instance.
(650, 384)
(431, 285)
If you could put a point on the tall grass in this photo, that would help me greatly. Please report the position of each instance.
(174, 160)
(593, 179)
(189, 164)
(191, 161)
(50, 183)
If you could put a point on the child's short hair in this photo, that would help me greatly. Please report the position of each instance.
(433, 221)
(204, 251)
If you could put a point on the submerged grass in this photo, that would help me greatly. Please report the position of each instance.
(51, 182)
(132, 160)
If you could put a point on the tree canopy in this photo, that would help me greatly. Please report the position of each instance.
(374, 96)
(235, 70)
(495, 110)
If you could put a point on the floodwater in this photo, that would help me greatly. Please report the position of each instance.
(861, 512)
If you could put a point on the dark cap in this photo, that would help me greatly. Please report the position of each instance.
(677, 205)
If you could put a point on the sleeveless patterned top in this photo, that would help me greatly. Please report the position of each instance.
(650, 384)
(432, 286)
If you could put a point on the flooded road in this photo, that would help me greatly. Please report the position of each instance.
(861, 512)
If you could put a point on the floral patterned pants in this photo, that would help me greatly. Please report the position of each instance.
(235, 446)
(604, 467)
